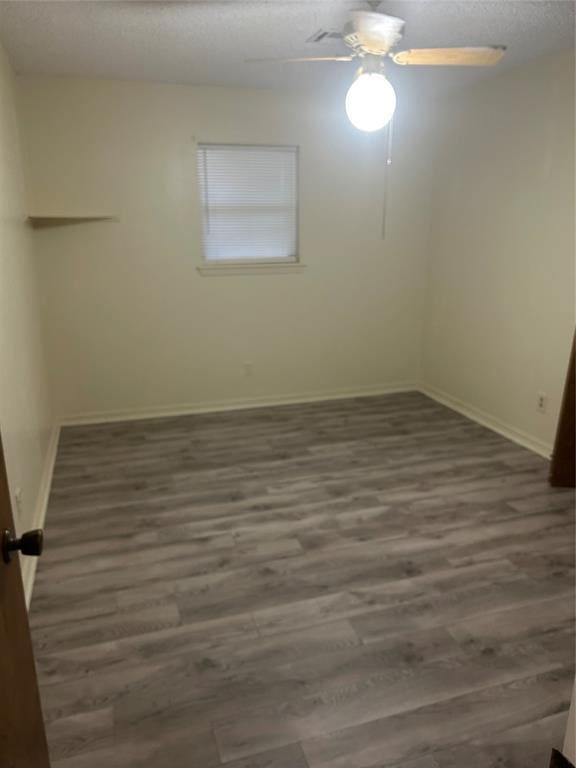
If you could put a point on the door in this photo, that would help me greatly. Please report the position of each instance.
(22, 736)
(563, 464)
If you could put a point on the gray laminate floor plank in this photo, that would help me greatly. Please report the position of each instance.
(366, 583)
(455, 722)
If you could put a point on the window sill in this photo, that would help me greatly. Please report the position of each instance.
(262, 268)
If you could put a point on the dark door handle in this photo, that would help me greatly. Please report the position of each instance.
(30, 543)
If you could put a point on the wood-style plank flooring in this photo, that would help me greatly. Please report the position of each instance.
(366, 583)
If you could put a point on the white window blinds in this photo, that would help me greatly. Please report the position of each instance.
(249, 202)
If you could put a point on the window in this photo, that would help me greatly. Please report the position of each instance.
(249, 203)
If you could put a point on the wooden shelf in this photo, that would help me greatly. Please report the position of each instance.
(43, 220)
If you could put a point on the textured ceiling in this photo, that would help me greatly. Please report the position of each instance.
(207, 42)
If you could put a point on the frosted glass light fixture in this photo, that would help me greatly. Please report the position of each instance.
(370, 101)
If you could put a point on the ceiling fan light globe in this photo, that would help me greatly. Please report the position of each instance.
(370, 102)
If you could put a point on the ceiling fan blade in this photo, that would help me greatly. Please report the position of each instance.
(373, 33)
(302, 59)
(450, 57)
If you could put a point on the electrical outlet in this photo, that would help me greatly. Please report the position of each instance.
(248, 368)
(541, 402)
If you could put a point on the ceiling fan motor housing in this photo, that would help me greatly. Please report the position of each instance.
(372, 33)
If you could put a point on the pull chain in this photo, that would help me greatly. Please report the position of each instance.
(387, 176)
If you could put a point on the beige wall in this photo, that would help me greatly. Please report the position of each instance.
(25, 411)
(135, 329)
(480, 284)
(500, 310)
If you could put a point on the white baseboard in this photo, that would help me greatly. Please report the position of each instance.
(28, 564)
(491, 422)
(232, 405)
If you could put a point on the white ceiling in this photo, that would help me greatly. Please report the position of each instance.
(206, 42)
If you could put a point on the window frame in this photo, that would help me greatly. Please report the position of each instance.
(261, 265)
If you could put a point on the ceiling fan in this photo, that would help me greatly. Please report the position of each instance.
(372, 38)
